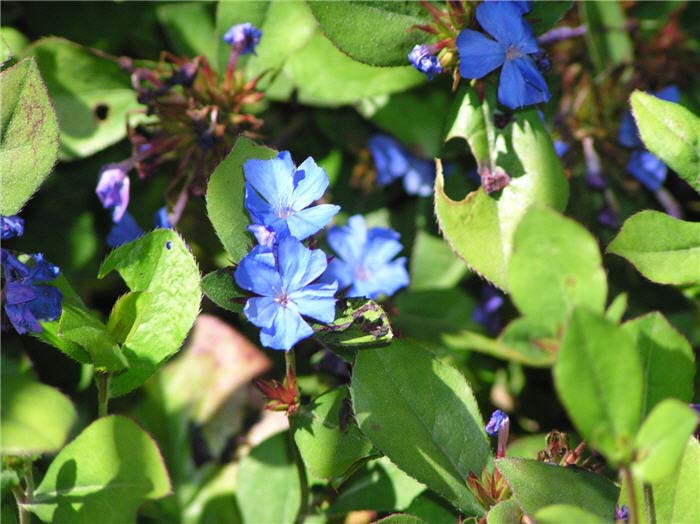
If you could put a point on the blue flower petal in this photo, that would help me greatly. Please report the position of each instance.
(385, 280)
(311, 187)
(126, 230)
(628, 135)
(292, 260)
(12, 226)
(348, 241)
(669, 93)
(391, 161)
(648, 169)
(272, 179)
(504, 22)
(338, 271)
(288, 329)
(521, 84)
(261, 311)
(305, 223)
(420, 179)
(255, 274)
(316, 266)
(478, 54)
(316, 301)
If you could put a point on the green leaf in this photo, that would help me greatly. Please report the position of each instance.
(158, 263)
(555, 266)
(432, 508)
(433, 265)
(80, 327)
(676, 497)
(403, 390)
(220, 287)
(190, 28)
(664, 249)
(401, 518)
(505, 512)
(469, 119)
(380, 486)
(608, 42)
(617, 308)
(104, 475)
(668, 364)
(35, 418)
(671, 132)
(545, 14)
(269, 488)
(225, 195)
(558, 513)
(80, 82)
(327, 436)
(216, 500)
(127, 313)
(358, 323)
(661, 440)
(601, 389)
(376, 33)
(29, 140)
(537, 485)
(480, 228)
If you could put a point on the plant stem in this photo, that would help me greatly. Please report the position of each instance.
(102, 380)
(631, 494)
(290, 362)
(649, 503)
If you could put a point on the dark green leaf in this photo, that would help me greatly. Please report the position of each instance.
(160, 264)
(662, 248)
(104, 475)
(545, 14)
(403, 390)
(433, 265)
(376, 33)
(559, 513)
(505, 512)
(29, 140)
(608, 42)
(537, 485)
(401, 518)
(220, 287)
(225, 195)
(190, 28)
(676, 497)
(600, 388)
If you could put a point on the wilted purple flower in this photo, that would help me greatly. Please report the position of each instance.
(486, 311)
(12, 226)
(364, 262)
(283, 281)
(496, 422)
(622, 513)
(425, 61)
(113, 190)
(27, 300)
(278, 195)
(243, 36)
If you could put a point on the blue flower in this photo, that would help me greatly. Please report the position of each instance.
(392, 161)
(561, 148)
(628, 135)
(244, 36)
(521, 84)
(27, 300)
(364, 260)
(422, 59)
(161, 220)
(524, 6)
(486, 312)
(126, 230)
(278, 195)
(12, 226)
(283, 281)
(648, 169)
(113, 190)
(497, 421)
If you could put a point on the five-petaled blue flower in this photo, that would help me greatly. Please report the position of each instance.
(422, 59)
(392, 161)
(12, 226)
(113, 190)
(283, 279)
(243, 36)
(278, 195)
(27, 300)
(364, 262)
(521, 84)
(497, 421)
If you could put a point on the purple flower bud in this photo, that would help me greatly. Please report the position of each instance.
(422, 59)
(608, 218)
(243, 36)
(486, 311)
(12, 226)
(622, 513)
(497, 421)
(113, 190)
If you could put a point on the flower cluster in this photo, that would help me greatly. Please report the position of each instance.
(26, 296)
(422, 58)
(290, 282)
(514, 48)
(392, 161)
(643, 165)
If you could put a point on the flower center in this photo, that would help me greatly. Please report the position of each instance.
(513, 52)
(282, 299)
(362, 273)
(285, 212)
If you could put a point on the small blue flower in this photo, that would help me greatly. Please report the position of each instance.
(161, 220)
(648, 169)
(561, 148)
(498, 419)
(628, 135)
(422, 59)
(126, 230)
(622, 513)
(12, 226)
(486, 312)
(278, 195)
(364, 260)
(284, 283)
(521, 84)
(392, 161)
(113, 190)
(27, 300)
(244, 36)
